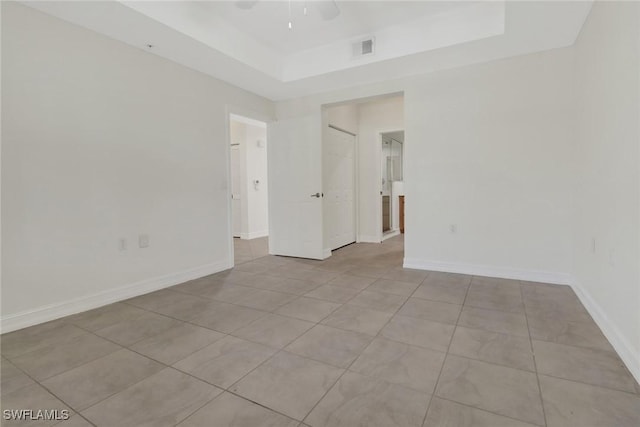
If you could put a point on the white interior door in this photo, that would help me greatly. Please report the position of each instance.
(295, 187)
(339, 185)
(235, 190)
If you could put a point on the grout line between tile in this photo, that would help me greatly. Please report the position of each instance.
(485, 410)
(535, 362)
(435, 387)
(200, 407)
(589, 384)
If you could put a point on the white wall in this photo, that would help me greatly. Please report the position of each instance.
(488, 149)
(607, 202)
(103, 141)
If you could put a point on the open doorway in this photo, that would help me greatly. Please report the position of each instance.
(356, 187)
(392, 183)
(249, 190)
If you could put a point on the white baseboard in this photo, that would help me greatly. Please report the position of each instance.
(54, 311)
(368, 239)
(254, 234)
(326, 253)
(489, 271)
(619, 342)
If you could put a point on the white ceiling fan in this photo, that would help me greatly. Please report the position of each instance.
(328, 9)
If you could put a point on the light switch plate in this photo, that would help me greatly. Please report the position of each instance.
(143, 241)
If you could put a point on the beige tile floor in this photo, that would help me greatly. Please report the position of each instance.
(248, 250)
(351, 341)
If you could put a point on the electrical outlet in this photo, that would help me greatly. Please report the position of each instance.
(453, 228)
(143, 240)
(122, 244)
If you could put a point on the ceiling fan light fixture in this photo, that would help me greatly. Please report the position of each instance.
(328, 9)
(245, 4)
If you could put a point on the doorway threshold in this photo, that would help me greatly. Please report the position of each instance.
(390, 234)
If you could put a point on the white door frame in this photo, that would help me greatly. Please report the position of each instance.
(236, 225)
(239, 111)
(356, 184)
(379, 175)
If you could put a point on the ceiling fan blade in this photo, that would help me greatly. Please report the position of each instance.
(328, 9)
(245, 4)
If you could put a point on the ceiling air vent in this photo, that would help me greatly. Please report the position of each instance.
(363, 47)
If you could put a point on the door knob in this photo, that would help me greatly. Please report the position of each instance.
(316, 195)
